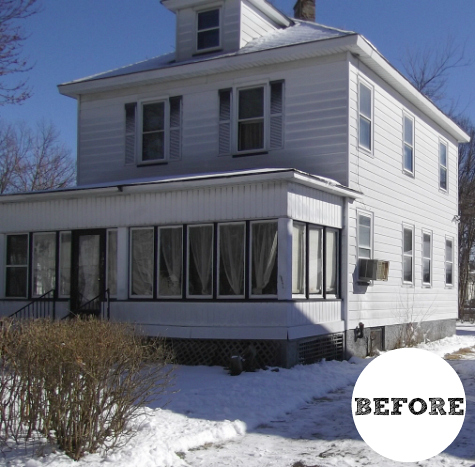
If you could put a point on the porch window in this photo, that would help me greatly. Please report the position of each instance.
(170, 262)
(365, 117)
(408, 146)
(112, 262)
(331, 262)
(298, 258)
(44, 263)
(426, 258)
(449, 262)
(264, 258)
(231, 259)
(443, 166)
(64, 264)
(142, 262)
(315, 260)
(200, 261)
(408, 255)
(17, 266)
(208, 30)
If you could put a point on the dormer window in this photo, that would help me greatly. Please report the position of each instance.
(208, 30)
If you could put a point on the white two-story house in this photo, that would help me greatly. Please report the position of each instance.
(232, 192)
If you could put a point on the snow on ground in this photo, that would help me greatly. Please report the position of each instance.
(285, 418)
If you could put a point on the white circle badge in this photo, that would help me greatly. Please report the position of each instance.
(408, 405)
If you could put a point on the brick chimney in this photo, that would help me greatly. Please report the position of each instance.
(305, 9)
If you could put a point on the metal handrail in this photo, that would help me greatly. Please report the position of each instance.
(43, 306)
(88, 307)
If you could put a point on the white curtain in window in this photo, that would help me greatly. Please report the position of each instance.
(315, 260)
(169, 282)
(142, 262)
(264, 254)
(331, 274)
(65, 263)
(88, 267)
(231, 252)
(201, 254)
(298, 259)
(44, 263)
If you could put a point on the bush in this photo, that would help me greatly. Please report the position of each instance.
(78, 382)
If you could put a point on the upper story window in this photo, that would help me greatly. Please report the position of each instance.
(160, 131)
(408, 255)
(365, 109)
(365, 222)
(208, 30)
(408, 147)
(255, 123)
(442, 166)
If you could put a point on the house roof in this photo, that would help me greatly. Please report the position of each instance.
(181, 182)
(300, 32)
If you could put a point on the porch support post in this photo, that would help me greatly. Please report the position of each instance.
(122, 263)
(284, 273)
(2, 264)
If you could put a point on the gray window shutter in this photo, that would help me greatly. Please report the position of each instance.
(224, 122)
(276, 114)
(130, 139)
(175, 127)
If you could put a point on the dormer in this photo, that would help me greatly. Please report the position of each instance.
(223, 26)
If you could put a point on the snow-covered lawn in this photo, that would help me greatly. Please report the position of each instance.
(295, 418)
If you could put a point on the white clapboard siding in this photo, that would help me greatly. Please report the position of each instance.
(395, 198)
(315, 125)
(253, 23)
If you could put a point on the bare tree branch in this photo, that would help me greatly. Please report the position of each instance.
(12, 38)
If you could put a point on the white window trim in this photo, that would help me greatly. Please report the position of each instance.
(370, 87)
(166, 131)
(305, 256)
(369, 214)
(411, 228)
(168, 297)
(131, 295)
(404, 144)
(220, 27)
(27, 265)
(218, 268)
(322, 240)
(448, 285)
(426, 232)
(251, 295)
(266, 118)
(188, 252)
(444, 143)
(338, 262)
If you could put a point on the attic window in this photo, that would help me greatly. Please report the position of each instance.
(208, 30)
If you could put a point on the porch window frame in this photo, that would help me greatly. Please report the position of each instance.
(24, 266)
(59, 265)
(303, 261)
(32, 263)
(326, 294)
(309, 294)
(133, 296)
(218, 261)
(184, 271)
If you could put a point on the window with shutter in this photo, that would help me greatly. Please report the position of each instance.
(225, 122)
(130, 110)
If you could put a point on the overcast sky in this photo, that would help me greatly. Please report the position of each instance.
(71, 39)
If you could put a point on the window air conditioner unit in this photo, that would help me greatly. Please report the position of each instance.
(372, 270)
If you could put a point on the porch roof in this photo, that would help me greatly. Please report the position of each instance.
(180, 182)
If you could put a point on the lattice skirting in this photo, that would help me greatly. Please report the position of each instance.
(268, 353)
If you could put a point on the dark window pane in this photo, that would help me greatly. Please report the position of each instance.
(171, 260)
(251, 135)
(426, 271)
(251, 103)
(408, 131)
(408, 241)
(365, 101)
(426, 248)
(154, 117)
(443, 178)
(200, 259)
(407, 269)
(16, 282)
(208, 39)
(448, 274)
(443, 154)
(208, 19)
(408, 158)
(153, 146)
(231, 259)
(17, 249)
(264, 258)
(365, 133)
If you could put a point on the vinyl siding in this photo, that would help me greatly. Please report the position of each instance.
(394, 198)
(315, 125)
(253, 23)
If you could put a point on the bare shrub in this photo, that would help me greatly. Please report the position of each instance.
(80, 382)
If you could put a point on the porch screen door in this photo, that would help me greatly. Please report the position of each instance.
(88, 267)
